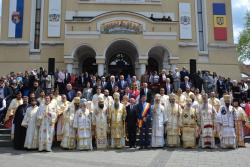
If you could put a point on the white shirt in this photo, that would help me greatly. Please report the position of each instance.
(3, 105)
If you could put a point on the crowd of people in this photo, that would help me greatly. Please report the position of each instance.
(173, 109)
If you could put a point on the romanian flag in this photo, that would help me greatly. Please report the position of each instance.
(220, 21)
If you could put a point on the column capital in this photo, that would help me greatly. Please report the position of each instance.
(68, 60)
(100, 59)
(143, 60)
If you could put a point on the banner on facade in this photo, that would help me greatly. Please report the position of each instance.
(16, 18)
(185, 21)
(220, 21)
(54, 20)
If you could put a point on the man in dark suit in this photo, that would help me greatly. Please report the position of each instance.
(67, 77)
(168, 87)
(70, 93)
(186, 84)
(144, 121)
(20, 131)
(122, 84)
(183, 73)
(5, 92)
(111, 84)
(147, 92)
(131, 120)
(221, 87)
(103, 82)
(81, 81)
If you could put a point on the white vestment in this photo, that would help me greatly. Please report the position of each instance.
(159, 118)
(46, 118)
(82, 123)
(29, 121)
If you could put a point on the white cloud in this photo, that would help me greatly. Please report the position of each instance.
(241, 4)
(239, 8)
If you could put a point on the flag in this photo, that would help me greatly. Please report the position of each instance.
(220, 21)
(16, 18)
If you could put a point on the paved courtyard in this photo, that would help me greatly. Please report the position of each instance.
(127, 158)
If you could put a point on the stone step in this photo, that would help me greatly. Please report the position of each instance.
(5, 131)
(6, 143)
(5, 136)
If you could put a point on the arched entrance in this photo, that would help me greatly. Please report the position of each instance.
(89, 65)
(158, 59)
(121, 58)
(85, 58)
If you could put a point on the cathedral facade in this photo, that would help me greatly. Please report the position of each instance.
(118, 36)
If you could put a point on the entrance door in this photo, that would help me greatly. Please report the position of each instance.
(89, 65)
(120, 63)
(153, 65)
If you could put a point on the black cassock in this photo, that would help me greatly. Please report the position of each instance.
(20, 131)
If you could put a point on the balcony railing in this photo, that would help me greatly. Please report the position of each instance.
(121, 1)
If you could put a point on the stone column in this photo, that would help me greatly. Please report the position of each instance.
(142, 69)
(100, 61)
(100, 69)
(69, 63)
(143, 61)
(69, 67)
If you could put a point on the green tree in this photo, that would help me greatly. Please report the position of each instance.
(243, 47)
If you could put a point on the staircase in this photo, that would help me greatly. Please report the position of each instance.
(5, 138)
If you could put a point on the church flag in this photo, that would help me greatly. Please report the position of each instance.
(54, 18)
(220, 21)
(16, 18)
(185, 20)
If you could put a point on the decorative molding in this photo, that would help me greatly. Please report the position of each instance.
(174, 58)
(14, 42)
(52, 43)
(71, 14)
(203, 58)
(187, 44)
(221, 45)
(68, 57)
(160, 35)
(82, 34)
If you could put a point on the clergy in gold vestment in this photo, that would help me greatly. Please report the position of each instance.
(180, 98)
(189, 125)
(173, 113)
(117, 119)
(46, 118)
(62, 107)
(206, 121)
(82, 123)
(241, 120)
(12, 110)
(69, 133)
(100, 124)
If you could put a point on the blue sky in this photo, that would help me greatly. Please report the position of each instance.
(240, 8)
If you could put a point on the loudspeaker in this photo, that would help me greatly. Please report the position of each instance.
(51, 66)
(192, 66)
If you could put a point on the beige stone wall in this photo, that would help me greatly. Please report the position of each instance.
(221, 59)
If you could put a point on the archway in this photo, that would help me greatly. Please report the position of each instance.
(121, 58)
(158, 59)
(85, 58)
